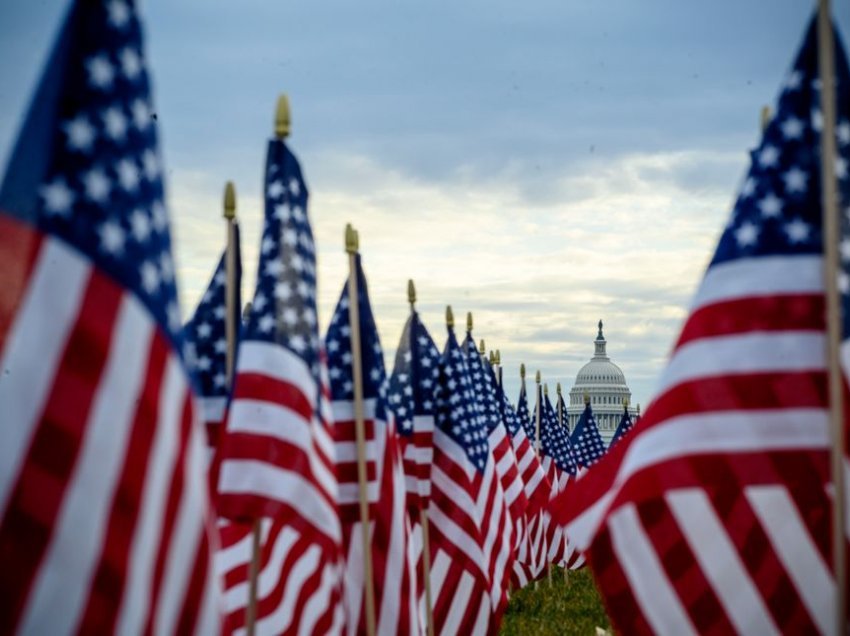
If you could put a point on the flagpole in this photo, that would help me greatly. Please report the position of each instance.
(229, 366)
(561, 424)
(829, 196)
(539, 406)
(537, 416)
(423, 513)
(351, 247)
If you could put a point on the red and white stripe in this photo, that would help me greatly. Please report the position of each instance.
(511, 480)
(731, 455)
(418, 453)
(103, 501)
(392, 552)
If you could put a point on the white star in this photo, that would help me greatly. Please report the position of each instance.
(97, 185)
(159, 216)
(220, 278)
(840, 167)
(290, 237)
(111, 238)
(768, 156)
(140, 225)
(294, 188)
(166, 267)
(204, 363)
(748, 188)
(266, 323)
(204, 330)
(298, 213)
(845, 249)
(335, 373)
(259, 302)
(80, 134)
(305, 290)
(220, 345)
(115, 122)
(281, 211)
(375, 374)
(346, 357)
(842, 131)
(795, 180)
(275, 189)
(267, 246)
(274, 267)
(817, 119)
(843, 282)
(297, 263)
(290, 316)
(220, 380)
(770, 206)
(128, 175)
(333, 346)
(101, 72)
(119, 13)
(131, 63)
(797, 231)
(347, 386)
(794, 80)
(310, 317)
(58, 198)
(172, 313)
(150, 164)
(792, 128)
(298, 343)
(282, 291)
(150, 277)
(141, 114)
(747, 234)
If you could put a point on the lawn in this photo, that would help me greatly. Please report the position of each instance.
(562, 607)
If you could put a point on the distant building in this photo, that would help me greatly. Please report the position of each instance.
(605, 385)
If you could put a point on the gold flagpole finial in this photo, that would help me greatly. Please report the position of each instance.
(764, 117)
(481, 348)
(545, 389)
(411, 293)
(586, 397)
(498, 358)
(469, 321)
(537, 377)
(626, 402)
(522, 371)
(450, 317)
(352, 240)
(559, 388)
(229, 201)
(492, 358)
(281, 118)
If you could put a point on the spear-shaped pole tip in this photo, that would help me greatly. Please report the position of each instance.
(586, 397)
(352, 240)
(498, 358)
(469, 321)
(626, 402)
(559, 388)
(411, 292)
(545, 389)
(281, 118)
(522, 370)
(492, 358)
(537, 377)
(450, 317)
(481, 348)
(229, 201)
(764, 117)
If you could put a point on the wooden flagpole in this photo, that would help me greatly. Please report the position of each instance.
(423, 513)
(351, 247)
(831, 227)
(230, 362)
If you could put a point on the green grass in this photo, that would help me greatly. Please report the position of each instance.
(561, 607)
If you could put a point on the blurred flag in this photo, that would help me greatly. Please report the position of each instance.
(719, 502)
(393, 562)
(103, 503)
(623, 427)
(276, 457)
(587, 443)
(206, 348)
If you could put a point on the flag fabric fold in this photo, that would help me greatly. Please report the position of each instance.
(719, 501)
(104, 517)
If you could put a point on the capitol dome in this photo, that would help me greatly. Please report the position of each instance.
(602, 383)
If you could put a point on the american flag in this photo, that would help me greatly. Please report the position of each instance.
(587, 442)
(393, 562)
(103, 503)
(526, 421)
(487, 394)
(276, 457)
(411, 399)
(623, 427)
(206, 349)
(714, 514)
(531, 556)
(561, 410)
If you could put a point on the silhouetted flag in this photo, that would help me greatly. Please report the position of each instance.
(719, 501)
(103, 501)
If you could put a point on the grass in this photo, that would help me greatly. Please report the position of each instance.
(561, 607)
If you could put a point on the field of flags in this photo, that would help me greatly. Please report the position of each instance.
(244, 473)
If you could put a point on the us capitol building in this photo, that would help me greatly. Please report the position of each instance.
(604, 384)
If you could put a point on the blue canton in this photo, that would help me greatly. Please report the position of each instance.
(413, 382)
(99, 184)
(484, 384)
(554, 439)
(523, 416)
(283, 310)
(586, 439)
(457, 408)
(623, 427)
(510, 417)
(340, 359)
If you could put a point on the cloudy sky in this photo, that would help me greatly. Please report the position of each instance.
(543, 164)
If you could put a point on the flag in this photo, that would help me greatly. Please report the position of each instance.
(586, 440)
(206, 348)
(561, 408)
(276, 458)
(526, 421)
(411, 399)
(392, 557)
(719, 501)
(104, 522)
(623, 427)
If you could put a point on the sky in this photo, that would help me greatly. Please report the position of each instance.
(542, 164)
